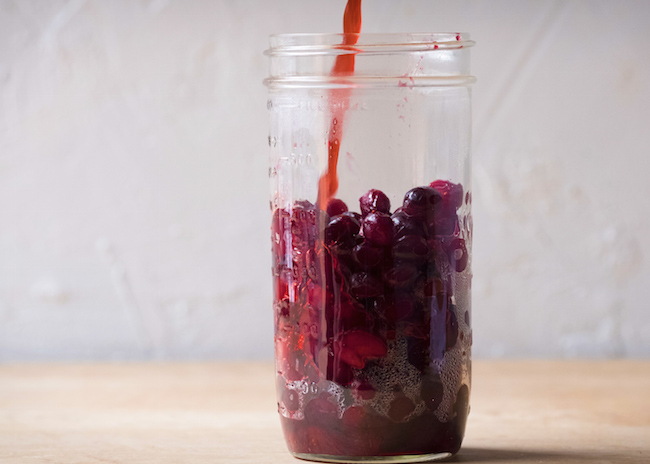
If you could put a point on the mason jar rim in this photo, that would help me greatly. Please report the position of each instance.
(295, 44)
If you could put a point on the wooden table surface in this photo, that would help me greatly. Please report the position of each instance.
(525, 412)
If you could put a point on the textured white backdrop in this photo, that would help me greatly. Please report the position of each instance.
(134, 197)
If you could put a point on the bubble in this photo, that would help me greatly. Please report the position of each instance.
(391, 375)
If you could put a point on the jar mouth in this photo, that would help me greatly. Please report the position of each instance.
(304, 44)
(393, 60)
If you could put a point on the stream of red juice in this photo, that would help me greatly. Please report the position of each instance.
(344, 66)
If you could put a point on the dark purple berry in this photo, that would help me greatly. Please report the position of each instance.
(420, 201)
(336, 207)
(342, 230)
(367, 255)
(411, 248)
(291, 400)
(405, 225)
(458, 255)
(364, 285)
(378, 228)
(400, 407)
(452, 194)
(431, 392)
(400, 275)
(445, 222)
(374, 200)
(419, 354)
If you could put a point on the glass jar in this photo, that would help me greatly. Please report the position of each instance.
(371, 251)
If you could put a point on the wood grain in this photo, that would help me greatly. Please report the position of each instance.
(522, 411)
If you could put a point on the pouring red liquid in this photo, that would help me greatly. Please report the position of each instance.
(344, 65)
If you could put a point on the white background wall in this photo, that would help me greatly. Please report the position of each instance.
(133, 173)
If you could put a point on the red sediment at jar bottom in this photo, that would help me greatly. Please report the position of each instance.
(373, 435)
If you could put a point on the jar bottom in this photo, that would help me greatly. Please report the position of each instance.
(406, 458)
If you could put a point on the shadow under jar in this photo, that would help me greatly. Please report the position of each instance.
(371, 251)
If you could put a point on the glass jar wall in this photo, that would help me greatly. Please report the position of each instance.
(371, 240)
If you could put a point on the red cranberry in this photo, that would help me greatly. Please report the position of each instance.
(444, 222)
(400, 407)
(378, 228)
(419, 354)
(324, 405)
(411, 248)
(367, 255)
(452, 194)
(364, 285)
(458, 255)
(431, 392)
(356, 347)
(406, 225)
(400, 275)
(401, 308)
(336, 207)
(291, 400)
(341, 230)
(420, 202)
(374, 200)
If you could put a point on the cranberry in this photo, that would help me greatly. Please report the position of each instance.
(341, 230)
(356, 347)
(401, 308)
(419, 202)
(367, 255)
(378, 228)
(335, 369)
(405, 225)
(336, 207)
(452, 194)
(350, 309)
(400, 407)
(400, 275)
(364, 285)
(458, 255)
(431, 392)
(418, 353)
(445, 222)
(291, 400)
(324, 405)
(411, 248)
(374, 200)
